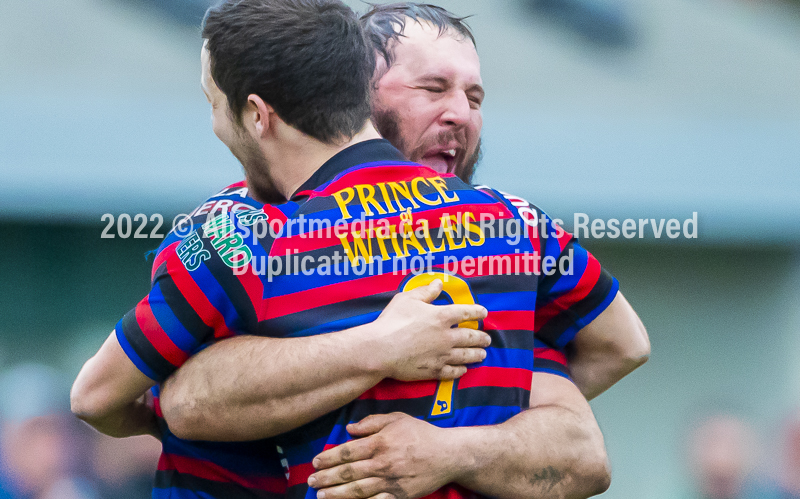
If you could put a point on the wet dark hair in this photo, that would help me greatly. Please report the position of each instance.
(385, 23)
(308, 59)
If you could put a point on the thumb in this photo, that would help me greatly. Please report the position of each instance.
(427, 293)
(371, 424)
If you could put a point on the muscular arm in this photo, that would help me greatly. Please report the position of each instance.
(109, 394)
(552, 450)
(249, 388)
(608, 349)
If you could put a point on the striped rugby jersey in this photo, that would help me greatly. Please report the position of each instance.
(192, 469)
(309, 278)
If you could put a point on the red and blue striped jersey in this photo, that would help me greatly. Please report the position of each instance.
(192, 469)
(367, 225)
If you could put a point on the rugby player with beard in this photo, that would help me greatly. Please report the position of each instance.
(427, 98)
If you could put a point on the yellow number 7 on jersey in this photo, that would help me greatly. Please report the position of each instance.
(459, 292)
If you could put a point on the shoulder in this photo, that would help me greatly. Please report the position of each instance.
(527, 211)
(221, 244)
(511, 199)
(185, 241)
(233, 198)
(233, 237)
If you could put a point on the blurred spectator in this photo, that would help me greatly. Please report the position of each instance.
(790, 469)
(44, 448)
(47, 453)
(723, 455)
(126, 467)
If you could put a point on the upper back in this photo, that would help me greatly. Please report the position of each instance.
(370, 232)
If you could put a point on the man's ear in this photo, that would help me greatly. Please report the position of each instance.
(258, 114)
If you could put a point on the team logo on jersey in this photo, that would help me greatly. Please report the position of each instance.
(192, 253)
(406, 222)
(403, 194)
(388, 241)
(526, 211)
(251, 217)
(229, 245)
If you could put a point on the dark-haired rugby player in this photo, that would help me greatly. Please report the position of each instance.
(427, 97)
(276, 155)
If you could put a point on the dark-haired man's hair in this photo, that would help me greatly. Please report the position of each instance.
(387, 22)
(308, 59)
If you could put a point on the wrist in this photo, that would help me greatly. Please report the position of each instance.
(478, 449)
(370, 354)
(458, 455)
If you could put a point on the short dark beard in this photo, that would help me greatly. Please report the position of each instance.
(467, 171)
(256, 170)
(387, 122)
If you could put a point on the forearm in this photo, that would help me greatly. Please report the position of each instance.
(546, 452)
(595, 371)
(254, 387)
(552, 450)
(111, 394)
(135, 418)
(608, 349)
(248, 388)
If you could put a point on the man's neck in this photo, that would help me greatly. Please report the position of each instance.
(296, 162)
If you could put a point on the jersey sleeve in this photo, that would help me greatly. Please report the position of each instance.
(574, 288)
(550, 360)
(194, 300)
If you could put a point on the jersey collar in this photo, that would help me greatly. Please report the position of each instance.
(369, 151)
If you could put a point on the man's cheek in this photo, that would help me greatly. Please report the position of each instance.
(478, 124)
